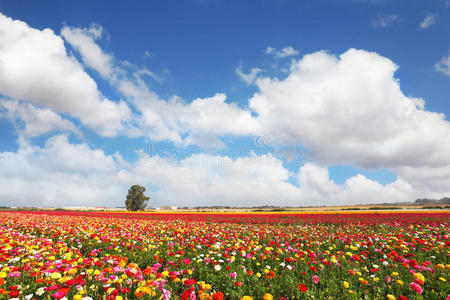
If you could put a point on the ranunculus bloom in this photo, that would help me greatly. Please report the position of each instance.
(302, 287)
(316, 279)
(416, 287)
(189, 282)
(59, 295)
(267, 296)
(218, 296)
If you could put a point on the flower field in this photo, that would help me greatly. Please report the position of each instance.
(80, 255)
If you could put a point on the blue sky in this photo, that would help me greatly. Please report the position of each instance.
(156, 75)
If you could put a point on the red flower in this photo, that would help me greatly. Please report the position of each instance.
(302, 287)
(218, 296)
(413, 262)
(238, 283)
(14, 294)
(189, 282)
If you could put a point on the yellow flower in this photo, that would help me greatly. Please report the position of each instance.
(346, 284)
(246, 298)
(96, 272)
(442, 279)
(55, 275)
(3, 274)
(78, 297)
(258, 274)
(400, 282)
(267, 296)
(440, 266)
(419, 276)
(394, 274)
(390, 297)
(72, 271)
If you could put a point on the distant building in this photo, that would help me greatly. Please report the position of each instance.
(168, 207)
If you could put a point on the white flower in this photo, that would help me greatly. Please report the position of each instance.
(40, 291)
(87, 298)
(28, 297)
(217, 267)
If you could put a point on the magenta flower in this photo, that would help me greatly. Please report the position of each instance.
(416, 287)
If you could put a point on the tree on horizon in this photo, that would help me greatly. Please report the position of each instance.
(136, 200)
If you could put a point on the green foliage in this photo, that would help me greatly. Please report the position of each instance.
(136, 200)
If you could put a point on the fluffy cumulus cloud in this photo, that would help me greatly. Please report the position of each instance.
(64, 174)
(35, 67)
(317, 187)
(201, 122)
(59, 174)
(32, 121)
(350, 110)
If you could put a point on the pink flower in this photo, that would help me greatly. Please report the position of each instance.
(416, 287)
(233, 274)
(186, 261)
(166, 294)
(59, 295)
(316, 279)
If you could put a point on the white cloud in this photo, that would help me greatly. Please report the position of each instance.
(384, 21)
(37, 121)
(201, 122)
(430, 19)
(65, 174)
(82, 39)
(443, 66)
(203, 179)
(59, 174)
(282, 53)
(350, 110)
(316, 187)
(250, 77)
(53, 78)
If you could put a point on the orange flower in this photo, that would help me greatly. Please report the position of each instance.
(139, 293)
